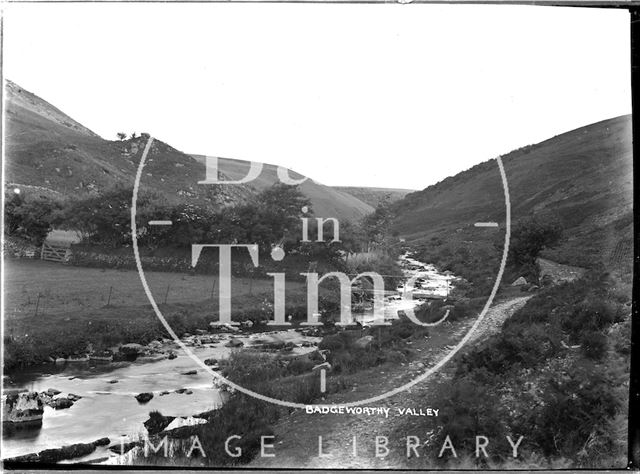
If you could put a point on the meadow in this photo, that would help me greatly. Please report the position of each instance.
(66, 289)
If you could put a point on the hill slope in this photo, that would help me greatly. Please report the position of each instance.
(50, 153)
(584, 177)
(326, 201)
(373, 196)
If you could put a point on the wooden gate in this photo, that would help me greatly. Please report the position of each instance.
(55, 253)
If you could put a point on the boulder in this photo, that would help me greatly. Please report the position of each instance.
(363, 342)
(181, 390)
(190, 372)
(101, 442)
(73, 397)
(157, 422)
(61, 403)
(30, 458)
(233, 342)
(172, 355)
(520, 281)
(211, 361)
(188, 421)
(23, 407)
(144, 397)
(66, 452)
(288, 346)
(52, 392)
(132, 349)
(154, 345)
(226, 327)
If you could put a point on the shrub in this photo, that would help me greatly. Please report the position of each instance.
(299, 366)
(594, 345)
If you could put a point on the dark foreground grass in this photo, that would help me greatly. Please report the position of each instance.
(555, 374)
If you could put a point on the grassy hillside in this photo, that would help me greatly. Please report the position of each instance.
(373, 196)
(582, 177)
(49, 153)
(325, 200)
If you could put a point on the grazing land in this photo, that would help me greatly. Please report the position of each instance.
(65, 289)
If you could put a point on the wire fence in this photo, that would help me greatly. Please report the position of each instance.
(42, 299)
(39, 289)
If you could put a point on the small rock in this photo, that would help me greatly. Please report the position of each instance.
(61, 403)
(144, 397)
(157, 422)
(519, 281)
(190, 372)
(233, 342)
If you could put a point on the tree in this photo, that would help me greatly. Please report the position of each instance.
(106, 218)
(275, 214)
(30, 219)
(121, 136)
(376, 226)
(532, 235)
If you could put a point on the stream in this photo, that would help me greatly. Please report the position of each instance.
(109, 409)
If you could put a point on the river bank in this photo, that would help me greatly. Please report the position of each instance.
(177, 387)
(110, 388)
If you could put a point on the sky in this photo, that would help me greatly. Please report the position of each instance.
(386, 95)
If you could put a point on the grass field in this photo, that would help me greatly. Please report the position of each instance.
(73, 313)
(67, 289)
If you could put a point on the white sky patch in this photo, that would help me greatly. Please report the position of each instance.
(363, 95)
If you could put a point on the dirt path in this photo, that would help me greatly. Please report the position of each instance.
(297, 435)
(558, 271)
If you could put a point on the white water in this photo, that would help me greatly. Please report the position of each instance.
(111, 410)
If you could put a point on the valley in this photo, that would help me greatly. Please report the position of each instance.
(533, 364)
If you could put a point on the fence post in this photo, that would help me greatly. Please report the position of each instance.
(167, 293)
(213, 287)
(109, 298)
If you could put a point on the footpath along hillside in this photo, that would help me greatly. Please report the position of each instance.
(296, 435)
